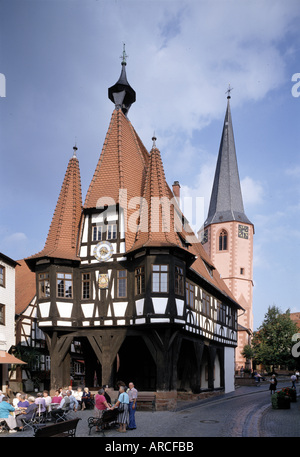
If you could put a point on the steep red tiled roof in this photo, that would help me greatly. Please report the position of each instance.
(157, 212)
(122, 165)
(25, 286)
(63, 233)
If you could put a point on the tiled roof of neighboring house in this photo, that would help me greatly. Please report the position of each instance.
(63, 233)
(25, 286)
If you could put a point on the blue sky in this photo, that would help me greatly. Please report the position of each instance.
(60, 57)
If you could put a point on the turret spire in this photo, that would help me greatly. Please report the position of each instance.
(122, 94)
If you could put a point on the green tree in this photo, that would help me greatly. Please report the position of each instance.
(272, 343)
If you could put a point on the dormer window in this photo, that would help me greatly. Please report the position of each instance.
(98, 232)
(111, 232)
(101, 232)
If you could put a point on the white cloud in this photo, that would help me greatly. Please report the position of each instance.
(252, 191)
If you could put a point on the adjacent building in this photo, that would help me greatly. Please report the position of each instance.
(7, 319)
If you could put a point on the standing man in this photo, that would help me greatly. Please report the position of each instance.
(132, 393)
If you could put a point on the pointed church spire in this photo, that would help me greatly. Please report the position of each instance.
(122, 94)
(226, 202)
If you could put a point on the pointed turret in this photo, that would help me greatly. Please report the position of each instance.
(122, 94)
(157, 218)
(226, 202)
(63, 233)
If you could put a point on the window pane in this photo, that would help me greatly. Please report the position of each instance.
(2, 308)
(155, 282)
(164, 282)
(60, 289)
(68, 289)
(112, 231)
(122, 283)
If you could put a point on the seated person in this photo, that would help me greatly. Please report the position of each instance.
(5, 409)
(23, 403)
(73, 401)
(87, 399)
(63, 406)
(56, 399)
(26, 413)
(40, 401)
(78, 395)
(48, 400)
(16, 400)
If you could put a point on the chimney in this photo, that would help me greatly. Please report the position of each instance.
(176, 191)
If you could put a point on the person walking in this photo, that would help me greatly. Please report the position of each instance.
(293, 379)
(132, 393)
(273, 384)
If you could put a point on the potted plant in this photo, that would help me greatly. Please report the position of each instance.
(280, 400)
(291, 393)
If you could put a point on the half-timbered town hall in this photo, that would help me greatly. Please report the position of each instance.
(122, 274)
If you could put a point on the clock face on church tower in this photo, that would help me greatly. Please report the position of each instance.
(243, 231)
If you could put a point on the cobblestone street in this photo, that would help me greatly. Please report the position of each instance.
(247, 412)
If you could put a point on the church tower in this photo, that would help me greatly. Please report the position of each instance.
(228, 234)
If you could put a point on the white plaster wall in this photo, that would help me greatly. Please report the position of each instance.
(229, 369)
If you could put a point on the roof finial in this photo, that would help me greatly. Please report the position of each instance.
(75, 148)
(154, 139)
(228, 91)
(124, 55)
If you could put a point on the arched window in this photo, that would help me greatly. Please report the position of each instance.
(223, 240)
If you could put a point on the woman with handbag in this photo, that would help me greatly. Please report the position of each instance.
(123, 407)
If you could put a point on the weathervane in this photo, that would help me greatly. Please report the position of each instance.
(228, 91)
(124, 55)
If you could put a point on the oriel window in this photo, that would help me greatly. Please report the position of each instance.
(179, 283)
(160, 278)
(122, 283)
(140, 280)
(64, 283)
(44, 285)
(86, 286)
